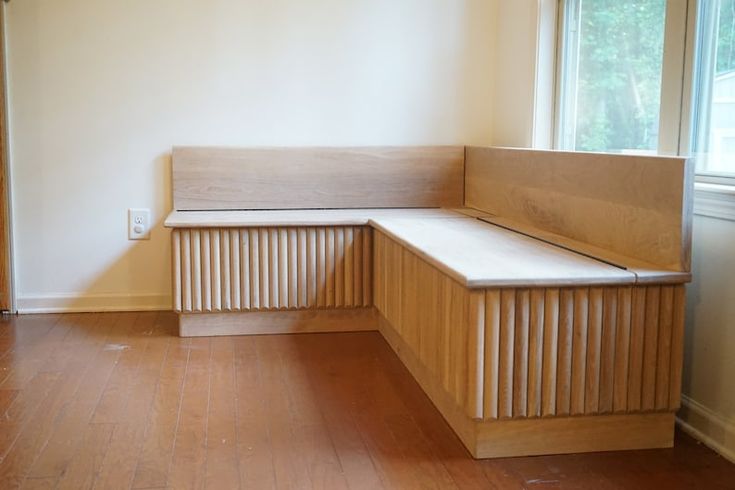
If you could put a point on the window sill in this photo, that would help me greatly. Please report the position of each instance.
(714, 200)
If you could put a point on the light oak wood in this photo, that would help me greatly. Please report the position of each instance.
(534, 436)
(645, 272)
(635, 206)
(477, 255)
(276, 322)
(303, 178)
(244, 269)
(301, 217)
(529, 336)
(453, 338)
(564, 435)
(580, 369)
(547, 351)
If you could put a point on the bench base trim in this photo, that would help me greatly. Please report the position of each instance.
(277, 322)
(536, 436)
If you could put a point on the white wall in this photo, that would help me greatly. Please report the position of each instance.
(100, 90)
(515, 62)
(709, 360)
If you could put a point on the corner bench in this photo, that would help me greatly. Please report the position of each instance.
(530, 334)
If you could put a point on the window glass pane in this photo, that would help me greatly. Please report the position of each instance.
(611, 75)
(715, 138)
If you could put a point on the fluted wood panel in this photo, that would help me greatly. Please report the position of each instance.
(511, 353)
(441, 321)
(582, 351)
(245, 269)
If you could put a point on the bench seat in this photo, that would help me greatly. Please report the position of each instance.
(480, 255)
(536, 297)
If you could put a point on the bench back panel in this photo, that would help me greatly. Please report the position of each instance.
(313, 178)
(637, 206)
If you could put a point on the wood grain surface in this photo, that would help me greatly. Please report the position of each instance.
(119, 398)
(304, 178)
(635, 206)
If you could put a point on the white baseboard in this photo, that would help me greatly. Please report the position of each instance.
(715, 431)
(88, 303)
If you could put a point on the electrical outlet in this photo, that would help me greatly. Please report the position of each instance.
(139, 224)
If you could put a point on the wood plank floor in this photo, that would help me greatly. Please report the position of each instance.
(118, 401)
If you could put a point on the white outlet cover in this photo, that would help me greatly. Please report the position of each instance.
(139, 224)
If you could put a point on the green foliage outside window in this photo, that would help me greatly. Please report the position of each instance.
(619, 84)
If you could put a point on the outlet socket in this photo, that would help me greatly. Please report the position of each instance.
(139, 224)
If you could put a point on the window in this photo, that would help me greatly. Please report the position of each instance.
(713, 139)
(612, 55)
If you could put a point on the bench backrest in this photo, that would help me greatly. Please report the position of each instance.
(317, 178)
(637, 206)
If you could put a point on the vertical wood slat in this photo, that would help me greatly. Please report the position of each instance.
(254, 251)
(492, 352)
(214, 240)
(225, 270)
(457, 339)
(594, 345)
(242, 269)
(367, 266)
(264, 268)
(176, 268)
(507, 350)
(663, 361)
(235, 270)
(330, 267)
(292, 247)
(520, 354)
(186, 269)
(279, 246)
(475, 359)
(607, 349)
(622, 349)
(564, 368)
(551, 348)
(358, 259)
(196, 270)
(635, 366)
(311, 247)
(650, 347)
(579, 350)
(348, 255)
(339, 266)
(445, 329)
(321, 267)
(302, 283)
(206, 257)
(245, 279)
(535, 352)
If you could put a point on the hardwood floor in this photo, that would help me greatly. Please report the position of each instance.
(118, 401)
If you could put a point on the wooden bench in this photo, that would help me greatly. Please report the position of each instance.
(537, 297)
